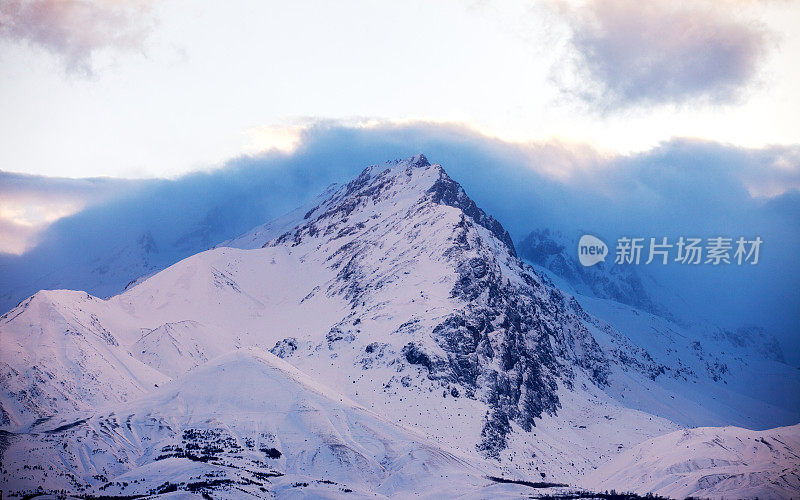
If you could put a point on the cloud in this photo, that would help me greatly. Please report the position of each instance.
(76, 29)
(29, 204)
(682, 187)
(17, 237)
(268, 137)
(629, 53)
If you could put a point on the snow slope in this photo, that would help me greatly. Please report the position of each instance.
(709, 462)
(265, 428)
(56, 354)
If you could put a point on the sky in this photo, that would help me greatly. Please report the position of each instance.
(139, 88)
(196, 119)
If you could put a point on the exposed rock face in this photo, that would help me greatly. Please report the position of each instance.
(557, 253)
(509, 340)
(448, 192)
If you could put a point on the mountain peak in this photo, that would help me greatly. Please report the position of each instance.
(446, 191)
(418, 160)
(413, 178)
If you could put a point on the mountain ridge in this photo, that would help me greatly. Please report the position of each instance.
(387, 289)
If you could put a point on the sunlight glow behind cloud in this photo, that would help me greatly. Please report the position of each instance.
(274, 137)
(22, 220)
(30, 204)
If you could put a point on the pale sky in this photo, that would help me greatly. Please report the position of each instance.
(140, 88)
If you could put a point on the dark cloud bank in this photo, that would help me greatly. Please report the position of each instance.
(683, 187)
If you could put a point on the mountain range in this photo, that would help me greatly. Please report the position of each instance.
(388, 339)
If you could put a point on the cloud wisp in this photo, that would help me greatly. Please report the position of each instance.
(76, 29)
(629, 53)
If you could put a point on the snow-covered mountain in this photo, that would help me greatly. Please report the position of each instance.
(728, 462)
(246, 422)
(418, 341)
(692, 349)
(554, 251)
